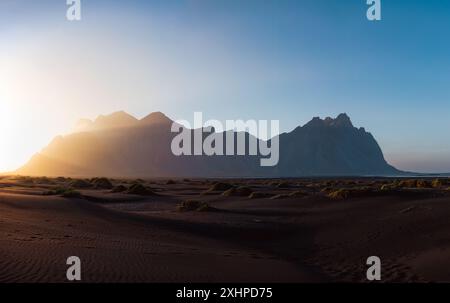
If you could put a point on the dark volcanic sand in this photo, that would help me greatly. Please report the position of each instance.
(308, 237)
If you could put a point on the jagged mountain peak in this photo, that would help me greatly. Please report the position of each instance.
(342, 120)
(155, 118)
(116, 119)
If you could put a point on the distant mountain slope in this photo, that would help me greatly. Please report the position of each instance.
(120, 145)
(331, 147)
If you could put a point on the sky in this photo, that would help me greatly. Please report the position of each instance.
(289, 60)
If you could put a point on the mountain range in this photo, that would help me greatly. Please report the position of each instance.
(119, 145)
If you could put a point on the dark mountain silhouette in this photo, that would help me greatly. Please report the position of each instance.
(120, 145)
(331, 147)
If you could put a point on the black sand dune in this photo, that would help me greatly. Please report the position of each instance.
(297, 231)
(38, 234)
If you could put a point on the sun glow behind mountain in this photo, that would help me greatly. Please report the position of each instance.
(11, 153)
(17, 142)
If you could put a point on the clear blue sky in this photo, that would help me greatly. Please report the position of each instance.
(249, 59)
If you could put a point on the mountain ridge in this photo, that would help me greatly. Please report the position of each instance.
(121, 145)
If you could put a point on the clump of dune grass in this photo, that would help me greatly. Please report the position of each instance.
(313, 186)
(294, 194)
(407, 184)
(326, 190)
(241, 191)
(414, 184)
(437, 183)
(56, 191)
(101, 183)
(218, 186)
(339, 194)
(43, 180)
(119, 189)
(72, 194)
(284, 184)
(327, 183)
(205, 207)
(80, 183)
(259, 195)
(61, 179)
(26, 179)
(193, 205)
(280, 184)
(423, 184)
(170, 182)
(345, 193)
(139, 189)
(65, 192)
(389, 187)
(221, 186)
(298, 194)
(350, 182)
